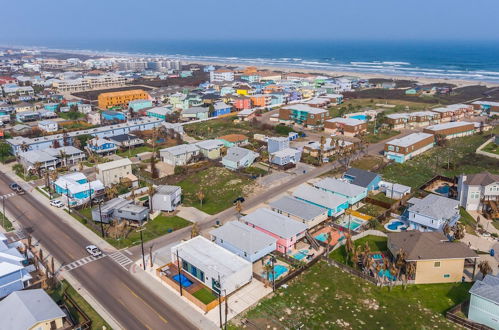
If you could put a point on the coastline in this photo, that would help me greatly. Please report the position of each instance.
(186, 59)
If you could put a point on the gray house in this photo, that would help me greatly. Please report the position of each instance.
(120, 209)
(166, 198)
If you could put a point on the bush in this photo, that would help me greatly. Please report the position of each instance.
(179, 170)
(283, 130)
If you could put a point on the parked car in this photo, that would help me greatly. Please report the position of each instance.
(56, 203)
(17, 188)
(239, 199)
(93, 250)
(13, 186)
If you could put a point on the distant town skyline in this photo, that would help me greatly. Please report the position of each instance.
(36, 22)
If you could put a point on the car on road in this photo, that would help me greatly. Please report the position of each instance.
(239, 199)
(93, 250)
(17, 188)
(56, 203)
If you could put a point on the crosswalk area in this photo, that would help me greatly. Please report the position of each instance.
(80, 262)
(9, 195)
(121, 259)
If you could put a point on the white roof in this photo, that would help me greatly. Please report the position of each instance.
(275, 223)
(453, 124)
(347, 121)
(319, 197)
(493, 104)
(181, 149)
(243, 237)
(410, 139)
(207, 255)
(291, 152)
(305, 108)
(114, 164)
(340, 187)
(210, 144)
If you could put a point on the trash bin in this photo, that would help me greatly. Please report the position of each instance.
(169, 230)
(492, 252)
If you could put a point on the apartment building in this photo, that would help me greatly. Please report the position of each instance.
(89, 83)
(451, 130)
(122, 98)
(407, 147)
(345, 126)
(303, 114)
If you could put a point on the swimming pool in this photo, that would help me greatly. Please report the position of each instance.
(278, 271)
(386, 273)
(184, 280)
(321, 237)
(443, 189)
(359, 117)
(377, 256)
(300, 255)
(352, 224)
(395, 225)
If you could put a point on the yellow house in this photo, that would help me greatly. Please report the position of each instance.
(31, 309)
(437, 259)
(122, 98)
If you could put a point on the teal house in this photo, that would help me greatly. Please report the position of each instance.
(484, 302)
(137, 105)
(351, 192)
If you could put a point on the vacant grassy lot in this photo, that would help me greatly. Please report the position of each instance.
(372, 210)
(5, 223)
(382, 134)
(368, 162)
(220, 187)
(382, 197)
(492, 148)
(456, 158)
(324, 297)
(57, 294)
(134, 151)
(468, 221)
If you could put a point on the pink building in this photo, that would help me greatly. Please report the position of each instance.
(286, 230)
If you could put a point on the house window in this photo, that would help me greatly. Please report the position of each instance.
(446, 275)
(436, 264)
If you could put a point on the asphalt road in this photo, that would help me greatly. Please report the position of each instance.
(131, 304)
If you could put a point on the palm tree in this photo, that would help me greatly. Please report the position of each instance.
(194, 230)
(24, 147)
(150, 191)
(200, 195)
(355, 256)
(459, 231)
(410, 270)
(329, 239)
(238, 208)
(64, 157)
(267, 268)
(38, 168)
(400, 261)
(348, 244)
(446, 229)
(111, 192)
(377, 269)
(484, 268)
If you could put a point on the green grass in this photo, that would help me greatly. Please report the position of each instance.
(324, 297)
(153, 228)
(468, 221)
(459, 151)
(134, 151)
(376, 243)
(219, 185)
(253, 170)
(492, 148)
(5, 223)
(368, 162)
(372, 210)
(56, 294)
(382, 198)
(71, 115)
(204, 295)
(381, 135)
(495, 223)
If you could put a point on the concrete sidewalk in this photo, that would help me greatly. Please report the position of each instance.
(192, 214)
(63, 215)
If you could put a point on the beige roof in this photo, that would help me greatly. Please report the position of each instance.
(428, 246)
(114, 164)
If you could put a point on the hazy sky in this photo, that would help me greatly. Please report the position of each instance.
(35, 20)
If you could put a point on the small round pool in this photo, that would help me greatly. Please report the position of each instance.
(443, 189)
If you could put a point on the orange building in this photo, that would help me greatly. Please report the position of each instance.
(113, 99)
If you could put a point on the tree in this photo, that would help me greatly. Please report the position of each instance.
(150, 191)
(211, 110)
(348, 244)
(267, 268)
(154, 169)
(194, 230)
(111, 192)
(200, 195)
(24, 147)
(38, 168)
(4, 150)
(238, 206)
(459, 231)
(484, 268)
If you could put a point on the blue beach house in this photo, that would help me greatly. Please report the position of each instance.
(351, 192)
(484, 302)
(221, 109)
(76, 189)
(50, 106)
(102, 146)
(362, 178)
(335, 204)
(14, 275)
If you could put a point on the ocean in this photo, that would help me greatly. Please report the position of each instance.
(470, 60)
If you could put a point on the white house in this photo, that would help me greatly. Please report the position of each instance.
(219, 269)
(179, 155)
(14, 275)
(166, 198)
(394, 190)
(431, 213)
(473, 189)
(115, 171)
(238, 157)
(243, 240)
(299, 210)
(48, 126)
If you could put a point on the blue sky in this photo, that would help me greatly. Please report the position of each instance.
(35, 20)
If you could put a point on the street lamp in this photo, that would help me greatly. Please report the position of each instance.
(101, 220)
(142, 245)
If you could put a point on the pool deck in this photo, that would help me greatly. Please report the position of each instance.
(259, 270)
(335, 235)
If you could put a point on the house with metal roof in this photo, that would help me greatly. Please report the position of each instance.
(216, 267)
(166, 198)
(30, 309)
(362, 178)
(484, 301)
(334, 203)
(437, 259)
(211, 149)
(394, 190)
(431, 213)
(300, 210)
(116, 171)
(76, 189)
(14, 275)
(238, 157)
(351, 192)
(243, 240)
(120, 209)
(179, 155)
(286, 230)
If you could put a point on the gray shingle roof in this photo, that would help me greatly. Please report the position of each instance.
(320, 197)
(243, 237)
(340, 187)
(298, 208)
(275, 223)
(488, 288)
(361, 177)
(434, 206)
(24, 309)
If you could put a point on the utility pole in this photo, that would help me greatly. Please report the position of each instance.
(142, 245)
(273, 260)
(226, 308)
(220, 301)
(67, 197)
(101, 220)
(3, 212)
(179, 279)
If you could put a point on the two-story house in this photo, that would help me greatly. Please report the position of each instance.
(474, 189)
(351, 192)
(431, 213)
(76, 189)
